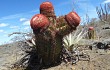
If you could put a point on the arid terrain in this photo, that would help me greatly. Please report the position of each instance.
(99, 59)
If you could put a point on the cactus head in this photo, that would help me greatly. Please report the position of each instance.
(39, 21)
(73, 19)
(91, 28)
(47, 9)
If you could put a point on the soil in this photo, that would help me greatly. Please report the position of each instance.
(99, 60)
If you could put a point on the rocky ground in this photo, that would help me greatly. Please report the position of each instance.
(9, 54)
(99, 59)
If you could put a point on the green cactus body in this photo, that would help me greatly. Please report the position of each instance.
(91, 34)
(49, 43)
(63, 27)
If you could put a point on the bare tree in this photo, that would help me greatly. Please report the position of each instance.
(103, 12)
(25, 40)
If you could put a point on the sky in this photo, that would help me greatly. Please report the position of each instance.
(15, 15)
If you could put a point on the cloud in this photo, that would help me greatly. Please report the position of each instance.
(1, 31)
(19, 15)
(26, 28)
(86, 10)
(86, 7)
(11, 16)
(106, 1)
(22, 19)
(14, 27)
(3, 25)
(26, 22)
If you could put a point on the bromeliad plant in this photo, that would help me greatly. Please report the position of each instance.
(73, 38)
(50, 30)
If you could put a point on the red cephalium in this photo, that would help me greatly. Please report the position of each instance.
(73, 19)
(39, 21)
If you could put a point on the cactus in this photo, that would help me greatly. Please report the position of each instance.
(91, 33)
(49, 36)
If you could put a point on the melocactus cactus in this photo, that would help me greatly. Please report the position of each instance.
(91, 28)
(39, 21)
(73, 19)
(49, 43)
(47, 9)
(91, 33)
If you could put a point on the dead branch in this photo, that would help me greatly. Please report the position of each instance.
(30, 42)
(103, 12)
